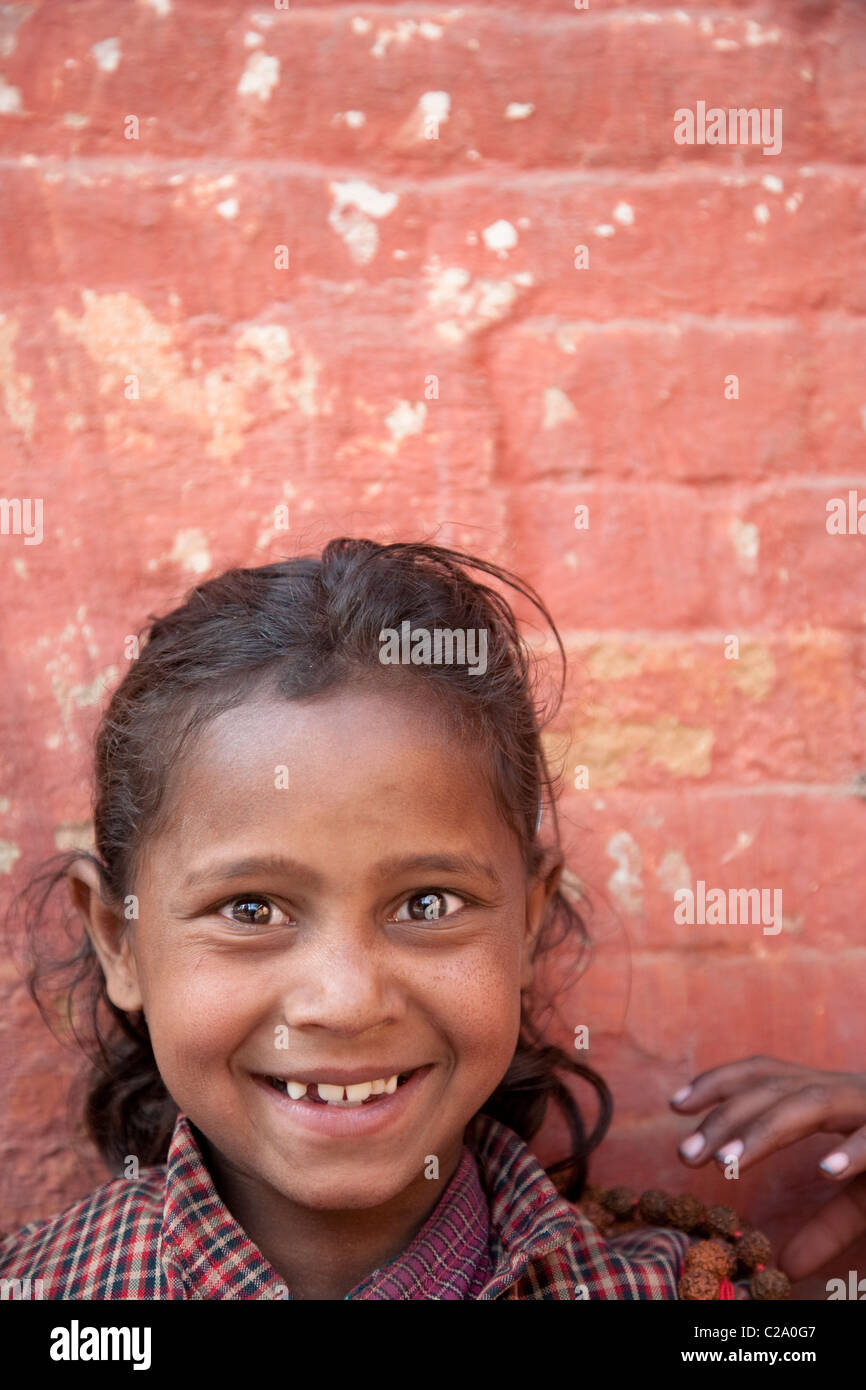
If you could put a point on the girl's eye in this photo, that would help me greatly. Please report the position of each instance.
(429, 906)
(253, 912)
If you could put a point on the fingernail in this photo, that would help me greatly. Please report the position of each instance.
(732, 1150)
(691, 1147)
(681, 1095)
(835, 1163)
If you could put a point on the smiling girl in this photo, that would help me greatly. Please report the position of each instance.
(311, 925)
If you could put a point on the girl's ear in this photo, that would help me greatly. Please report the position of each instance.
(541, 889)
(108, 932)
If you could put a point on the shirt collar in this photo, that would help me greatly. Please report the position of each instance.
(214, 1257)
(529, 1217)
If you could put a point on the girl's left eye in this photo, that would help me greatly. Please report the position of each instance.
(430, 906)
(259, 912)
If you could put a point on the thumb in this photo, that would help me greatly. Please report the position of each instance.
(827, 1233)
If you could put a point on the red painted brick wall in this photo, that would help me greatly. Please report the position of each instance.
(164, 386)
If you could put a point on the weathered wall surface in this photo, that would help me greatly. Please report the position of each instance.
(431, 348)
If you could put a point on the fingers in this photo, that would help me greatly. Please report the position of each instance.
(725, 1124)
(758, 1123)
(827, 1234)
(848, 1158)
(718, 1083)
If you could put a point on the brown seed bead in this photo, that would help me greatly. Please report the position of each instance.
(753, 1248)
(653, 1207)
(715, 1256)
(595, 1212)
(685, 1211)
(769, 1284)
(721, 1221)
(592, 1193)
(620, 1200)
(698, 1284)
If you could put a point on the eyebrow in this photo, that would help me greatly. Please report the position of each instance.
(386, 868)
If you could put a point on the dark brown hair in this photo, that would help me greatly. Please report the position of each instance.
(301, 627)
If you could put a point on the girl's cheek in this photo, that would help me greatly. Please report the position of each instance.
(199, 1002)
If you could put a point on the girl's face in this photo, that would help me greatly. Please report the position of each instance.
(334, 898)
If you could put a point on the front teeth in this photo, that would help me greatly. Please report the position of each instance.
(331, 1093)
(345, 1095)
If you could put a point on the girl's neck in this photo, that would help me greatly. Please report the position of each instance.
(323, 1254)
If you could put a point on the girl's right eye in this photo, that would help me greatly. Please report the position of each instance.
(259, 912)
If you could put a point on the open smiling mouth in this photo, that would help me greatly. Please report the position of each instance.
(350, 1097)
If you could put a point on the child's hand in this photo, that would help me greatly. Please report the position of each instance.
(762, 1104)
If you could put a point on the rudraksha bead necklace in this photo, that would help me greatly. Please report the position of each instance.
(731, 1248)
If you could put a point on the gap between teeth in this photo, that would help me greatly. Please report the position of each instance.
(345, 1095)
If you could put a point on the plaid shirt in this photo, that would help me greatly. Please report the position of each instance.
(500, 1230)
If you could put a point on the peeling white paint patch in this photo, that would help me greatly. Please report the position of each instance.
(85, 696)
(436, 105)
(228, 208)
(761, 214)
(604, 229)
(794, 201)
(772, 183)
(747, 543)
(10, 99)
(74, 120)
(191, 551)
(673, 872)
(8, 854)
(356, 204)
(10, 20)
(863, 416)
(107, 54)
(725, 45)
(71, 836)
(402, 32)
(624, 214)
(755, 35)
(270, 340)
(15, 386)
(557, 408)
(260, 76)
(519, 110)
(252, 39)
(743, 841)
(160, 7)
(431, 108)
(360, 25)
(406, 419)
(354, 119)
(626, 882)
(500, 236)
(466, 305)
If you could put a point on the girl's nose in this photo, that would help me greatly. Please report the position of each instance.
(345, 986)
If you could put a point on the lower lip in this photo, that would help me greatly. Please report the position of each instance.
(341, 1122)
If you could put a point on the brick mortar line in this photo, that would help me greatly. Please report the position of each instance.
(731, 790)
(808, 319)
(805, 953)
(728, 175)
(748, 491)
(582, 637)
(549, 19)
(798, 482)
